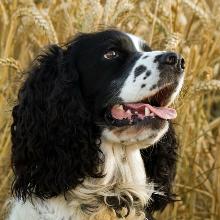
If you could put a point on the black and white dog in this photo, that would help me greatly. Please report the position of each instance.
(91, 133)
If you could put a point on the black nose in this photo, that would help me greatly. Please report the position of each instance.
(170, 58)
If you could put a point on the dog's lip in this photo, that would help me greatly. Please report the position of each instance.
(148, 121)
(170, 87)
(161, 96)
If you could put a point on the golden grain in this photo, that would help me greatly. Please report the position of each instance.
(124, 6)
(11, 62)
(173, 41)
(207, 86)
(204, 16)
(35, 16)
(109, 9)
(190, 27)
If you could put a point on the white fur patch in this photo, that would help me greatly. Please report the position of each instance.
(132, 90)
(136, 42)
(177, 90)
(141, 138)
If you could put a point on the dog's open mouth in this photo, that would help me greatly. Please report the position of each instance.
(146, 111)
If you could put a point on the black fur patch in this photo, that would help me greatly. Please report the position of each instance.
(145, 57)
(157, 58)
(153, 87)
(148, 73)
(160, 164)
(139, 70)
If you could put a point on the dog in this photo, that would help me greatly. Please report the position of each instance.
(92, 136)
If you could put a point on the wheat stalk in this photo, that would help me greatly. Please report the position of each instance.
(4, 14)
(35, 40)
(80, 14)
(36, 17)
(94, 15)
(11, 62)
(206, 86)
(124, 6)
(151, 18)
(173, 41)
(109, 10)
(204, 16)
(66, 23)
(154, 21)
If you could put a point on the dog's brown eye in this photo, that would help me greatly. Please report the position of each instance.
(111, 55)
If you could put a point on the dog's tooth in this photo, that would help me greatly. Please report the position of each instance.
(128, 111)
(136, 112)
(119, 107)
(146, 111)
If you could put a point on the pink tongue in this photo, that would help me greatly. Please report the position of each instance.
(162, 112)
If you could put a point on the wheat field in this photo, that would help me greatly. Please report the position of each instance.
(191, 27)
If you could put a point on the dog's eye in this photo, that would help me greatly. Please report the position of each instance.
(112, 54)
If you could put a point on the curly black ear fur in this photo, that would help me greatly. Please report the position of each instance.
(54, 139)
(160, 164)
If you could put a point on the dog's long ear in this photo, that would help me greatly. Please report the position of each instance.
(54, 140)
(160, 164)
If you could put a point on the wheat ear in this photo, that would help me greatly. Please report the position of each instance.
(11, 62)
(204, 16)
(206, 86)
(123, 7)
(173, 41)
(35, 15)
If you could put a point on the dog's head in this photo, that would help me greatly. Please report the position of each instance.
(127, 86)
(108, 84)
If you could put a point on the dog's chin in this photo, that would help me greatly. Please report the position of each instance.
(140, 135)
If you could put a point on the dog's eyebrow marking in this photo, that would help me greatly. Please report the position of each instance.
(139, 70)
(136, 42)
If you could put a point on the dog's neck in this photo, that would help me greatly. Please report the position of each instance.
(123, 164)
(124, 188)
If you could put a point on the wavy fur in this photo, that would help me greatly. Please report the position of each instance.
(54, 139)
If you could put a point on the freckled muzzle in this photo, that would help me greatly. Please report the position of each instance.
(157, 75)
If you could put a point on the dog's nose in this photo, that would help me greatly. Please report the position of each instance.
(173, 59)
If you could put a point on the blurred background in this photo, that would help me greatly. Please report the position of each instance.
(191, 27)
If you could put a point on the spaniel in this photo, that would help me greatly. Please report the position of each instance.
(92, 137)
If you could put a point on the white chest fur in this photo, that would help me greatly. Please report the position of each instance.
(123, 164)
(124, 179)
